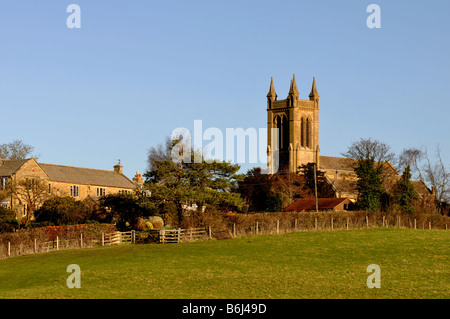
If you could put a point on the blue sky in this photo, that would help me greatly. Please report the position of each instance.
(136, 70)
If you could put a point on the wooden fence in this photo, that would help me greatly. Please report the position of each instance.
(165, 236)
(106, 239)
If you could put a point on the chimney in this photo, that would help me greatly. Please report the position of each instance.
(118, 168)
(138, 180)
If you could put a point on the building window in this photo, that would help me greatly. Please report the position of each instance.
(101, 191)
(308, 133)
(302, 132)
(74, 191)
(3, 182)
(49, 188)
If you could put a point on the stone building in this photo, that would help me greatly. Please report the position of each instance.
(79, 183)
(296, 137)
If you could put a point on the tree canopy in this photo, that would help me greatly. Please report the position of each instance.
(204, 182)
(16, 150)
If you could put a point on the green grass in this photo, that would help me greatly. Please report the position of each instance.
(414, 264)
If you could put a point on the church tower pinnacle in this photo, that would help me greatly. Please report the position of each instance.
(272, 95)
(314, 95)
(293, 94)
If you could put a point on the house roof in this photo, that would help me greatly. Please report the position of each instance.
(310, 204)
(70, 174)
(86, 176)
(9, 167)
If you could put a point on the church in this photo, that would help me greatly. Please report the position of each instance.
(296, 124)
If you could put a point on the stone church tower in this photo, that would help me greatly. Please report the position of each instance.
(297, 121)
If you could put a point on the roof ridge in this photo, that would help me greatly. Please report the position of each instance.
(69, 166)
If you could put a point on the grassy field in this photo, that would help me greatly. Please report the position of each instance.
(414, 264)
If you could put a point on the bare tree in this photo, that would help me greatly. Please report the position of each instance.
(161, 152)
(16, 150)
(411, 157)
(368, 149)
(438, 176)
(30, 194)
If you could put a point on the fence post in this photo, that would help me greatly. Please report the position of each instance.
(415, 223)
(295, 227)
(278, 226)
(367, 221)
(178, 235)
(256, 229)
(347, 224)
(35, 245)
(209, 232)
(429, 225)
(103, 239)
(162, 235)
(133, 237)
(57, 243)
(81, 240)
(9, 248)
(383, 220)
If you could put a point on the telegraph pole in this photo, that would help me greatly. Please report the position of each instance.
(315, 187)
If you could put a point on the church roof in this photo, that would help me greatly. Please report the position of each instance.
(349, 164)
(337, 163)
(345, 185)
(421, 188)
(349, 185)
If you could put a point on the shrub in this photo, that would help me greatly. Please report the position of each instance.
(61, 211)
(8, 221)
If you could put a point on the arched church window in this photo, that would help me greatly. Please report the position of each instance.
(277, 124)
(302, 132)
(308, 133)
(285, 133)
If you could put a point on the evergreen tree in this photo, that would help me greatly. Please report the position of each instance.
(371, 168)
(369, 185)
(404, 193)
(324, 189)
(201, 182)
